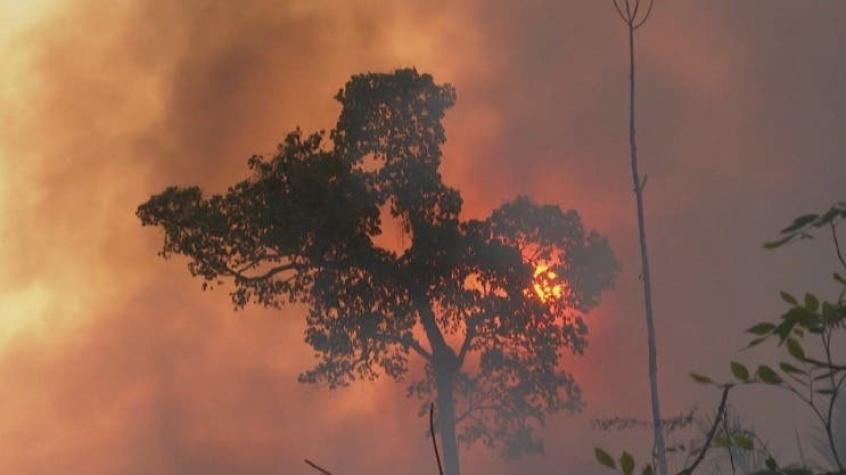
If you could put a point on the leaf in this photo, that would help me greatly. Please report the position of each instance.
(701, 379)
(811, 302)
(767, 375)
(800, 222)
(779, 243)
(647, 470)
(721, 441)
(839, 278)
(627, 463)
(739, 371)
(761, 328)
(798, 315)
(789, 368)
(755, 342)
(795, 349)
(604, 458)
(829, 312)
(743, 441)
(771, 463)
(788, 298)
(784, 329)
(825, 392)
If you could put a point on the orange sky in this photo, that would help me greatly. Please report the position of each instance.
(115, 362)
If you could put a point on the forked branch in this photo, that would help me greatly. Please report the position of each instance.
(630, 14)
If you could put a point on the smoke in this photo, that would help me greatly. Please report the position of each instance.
(115, 362)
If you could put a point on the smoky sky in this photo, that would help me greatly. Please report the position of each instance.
(115, 362)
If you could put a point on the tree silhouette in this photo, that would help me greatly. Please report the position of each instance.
(491, 305)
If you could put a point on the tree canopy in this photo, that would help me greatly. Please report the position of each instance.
(301, 228)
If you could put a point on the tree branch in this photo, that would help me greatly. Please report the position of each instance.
(720, 411)
(434, 440)
(620, 11)
(837, 245)
(416, 346)
(823, 364)
(645, 16)
(729, 448)
(430, 325)
(317, 467)
(471, 410)
(270, 273)
(835, 388)
(468, 340)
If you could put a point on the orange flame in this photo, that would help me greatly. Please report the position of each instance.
(547, 286)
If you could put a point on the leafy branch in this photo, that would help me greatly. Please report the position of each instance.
(815, 379)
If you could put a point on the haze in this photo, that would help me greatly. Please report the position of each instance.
(114, 361)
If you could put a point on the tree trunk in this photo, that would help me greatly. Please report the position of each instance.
(445, 365)
(446, 421)
(658, 432)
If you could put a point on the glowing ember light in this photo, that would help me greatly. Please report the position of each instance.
(547, 286)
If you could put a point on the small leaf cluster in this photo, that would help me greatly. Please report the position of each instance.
(802, 226)
(815, 380)
(627, 462)
(774, 469)
(808, 316)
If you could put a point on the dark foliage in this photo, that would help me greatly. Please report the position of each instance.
(301, 228)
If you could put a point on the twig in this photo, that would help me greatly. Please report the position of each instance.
(799, 446)
(835, 387)
(823, 364)
(729, 448)
(645, 16)
(434, 441)
(434, 444)
(711, 433)
(317, 467)
(635, 9)
(620, 11)
(837, 245)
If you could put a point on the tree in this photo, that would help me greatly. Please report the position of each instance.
(634, 17)
(490, 305)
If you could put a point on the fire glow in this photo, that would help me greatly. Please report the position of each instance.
(547, 285)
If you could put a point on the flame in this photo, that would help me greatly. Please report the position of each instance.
(547, 286)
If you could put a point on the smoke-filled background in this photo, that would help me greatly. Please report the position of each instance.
(113, 361)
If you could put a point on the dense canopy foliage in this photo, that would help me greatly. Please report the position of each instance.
(301, 228)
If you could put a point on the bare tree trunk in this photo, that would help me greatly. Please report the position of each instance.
(660, 450)
(446, 421)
